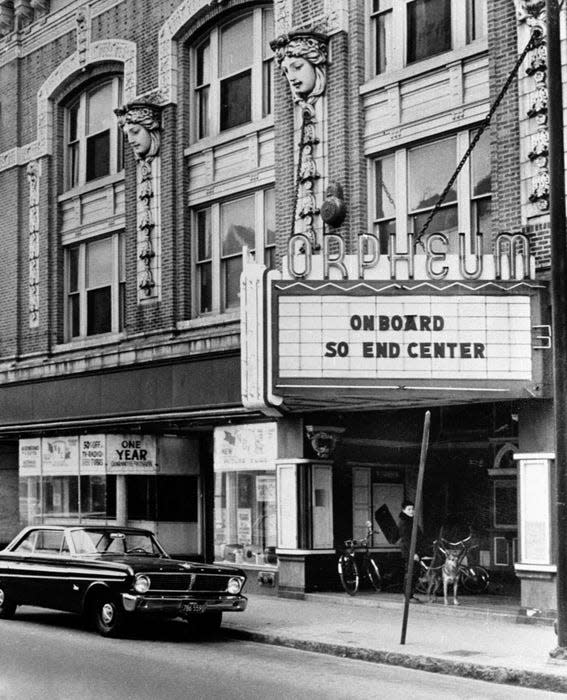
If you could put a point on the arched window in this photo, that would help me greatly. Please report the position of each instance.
(92, 138)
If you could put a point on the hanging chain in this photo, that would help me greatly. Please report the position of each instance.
(533, 41)
(305, 118)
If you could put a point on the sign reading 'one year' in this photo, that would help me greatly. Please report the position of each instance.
(418, 336)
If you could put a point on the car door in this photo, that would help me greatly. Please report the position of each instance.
(47, 576)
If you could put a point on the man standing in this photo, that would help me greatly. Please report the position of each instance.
(405, 526)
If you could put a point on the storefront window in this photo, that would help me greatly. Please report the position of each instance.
(30, 500)
(60, 497)
(245, 517)
(98, 497)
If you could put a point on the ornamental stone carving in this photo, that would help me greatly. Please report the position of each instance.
(140, 123)
(532, 13)
(302, 58)
(33, 172)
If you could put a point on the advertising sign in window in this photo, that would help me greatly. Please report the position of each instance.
(60, 455)
(131, 454)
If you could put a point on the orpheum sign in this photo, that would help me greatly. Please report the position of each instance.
(388, 342)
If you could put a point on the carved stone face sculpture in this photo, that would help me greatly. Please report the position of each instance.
(140, 125)
(302, 58)
(300, 74)
(139, 138)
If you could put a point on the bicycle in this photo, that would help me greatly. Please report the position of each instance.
(350, 572)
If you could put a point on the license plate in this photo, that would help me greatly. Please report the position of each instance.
(193, 607)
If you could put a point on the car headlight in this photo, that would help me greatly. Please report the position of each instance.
(234, 586)
(142, 584)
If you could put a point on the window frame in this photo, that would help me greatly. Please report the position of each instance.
(215, 261)
(465, 199)
(397, 51)
(79, 102)
(117, 287)
(257, 70)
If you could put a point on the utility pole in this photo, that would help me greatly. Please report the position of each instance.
(558, 307)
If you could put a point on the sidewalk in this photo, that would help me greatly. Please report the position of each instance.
(479, 639)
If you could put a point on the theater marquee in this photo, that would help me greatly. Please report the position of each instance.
(361, 343)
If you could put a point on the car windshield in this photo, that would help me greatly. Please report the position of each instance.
(115, 542)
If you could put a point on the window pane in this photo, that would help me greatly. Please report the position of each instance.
(73, 121)
(99, 263)
(270, 216)
(75, 315)
(98, 155)
(385, 229)
(445, 221)
(236, 100)
(430, 168)
(177, 498)
(382, 38)
(267, 82)
(99, 311)
(237, 226)
(204, 271)
(236, 46)
(429, 28)
(99, 110)
(232, 268)
(385, 188)
(61, 496)
(481, 216)
(141, 497)
(203, 64)
(203, 107)
(203, 235)
(268, 32)
(73, 164)
(480, 166)
(73, 269)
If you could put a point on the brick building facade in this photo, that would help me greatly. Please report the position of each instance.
(121, 323)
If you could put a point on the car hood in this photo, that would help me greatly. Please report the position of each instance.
(155, 564)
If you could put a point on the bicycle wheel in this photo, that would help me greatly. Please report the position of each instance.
(348, 573)
(373, 573)
(475, 579)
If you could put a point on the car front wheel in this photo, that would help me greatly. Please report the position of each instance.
(107, 616)
(7, 606)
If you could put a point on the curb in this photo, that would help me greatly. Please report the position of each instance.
(432, 664)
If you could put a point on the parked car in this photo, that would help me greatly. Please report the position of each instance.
(110, 574)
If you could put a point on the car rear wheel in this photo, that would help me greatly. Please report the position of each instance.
(206, 623)
(107, 616)
(7, 606)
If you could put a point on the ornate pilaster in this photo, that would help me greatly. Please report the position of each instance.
(140, 122)
(23, 13)
(302, 58)
(532, 14)
(33, 172)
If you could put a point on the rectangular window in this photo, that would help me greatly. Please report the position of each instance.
(429, 169)
(93, 138)
(232, 80)
(428, 28)
(221, 231)
(204, 261)
(385, 201)
(235, 100)
(406, 186)
(203, 58)
(95, 287)
(237, 229)
(381, 34)
(245, 517)
(481, 186)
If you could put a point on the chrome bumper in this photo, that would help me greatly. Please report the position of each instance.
(181, 606)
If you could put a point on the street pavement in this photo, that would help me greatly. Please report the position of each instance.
(480, 639)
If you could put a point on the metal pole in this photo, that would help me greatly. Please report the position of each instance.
(558, 306)
(415, 525)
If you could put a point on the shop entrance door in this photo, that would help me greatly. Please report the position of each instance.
(392, 495)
